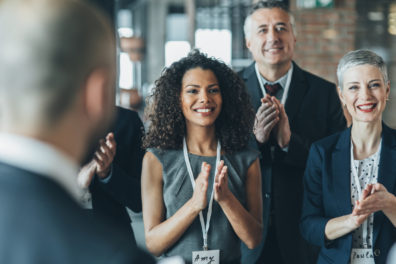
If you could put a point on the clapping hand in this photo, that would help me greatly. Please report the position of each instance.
(267, 117)
(201, 186)
(221, 190)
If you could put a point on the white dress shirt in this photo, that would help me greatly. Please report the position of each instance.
(40, 158)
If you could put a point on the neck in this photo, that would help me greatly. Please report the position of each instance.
(201, 142)
(365, 138)
(274, 72)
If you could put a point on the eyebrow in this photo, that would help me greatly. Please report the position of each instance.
(375, 80)
(276, 24)
(197, 86)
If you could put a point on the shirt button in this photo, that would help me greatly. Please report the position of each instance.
(267, 196)
(377, 252)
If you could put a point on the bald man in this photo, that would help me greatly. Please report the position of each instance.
(57, 98)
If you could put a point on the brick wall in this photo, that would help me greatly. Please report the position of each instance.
(324, 36)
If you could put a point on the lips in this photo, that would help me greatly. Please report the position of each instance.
(367, 107)
(204, 110)
(273, 49)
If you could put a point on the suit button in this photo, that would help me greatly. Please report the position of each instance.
(377, 252)
(267, 196)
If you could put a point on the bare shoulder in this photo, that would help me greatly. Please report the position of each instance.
(152, 167)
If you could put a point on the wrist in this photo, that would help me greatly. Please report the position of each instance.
(103, 174)
(391, 204)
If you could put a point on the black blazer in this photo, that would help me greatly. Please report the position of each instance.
(314, 111)
(123, 189)
(327, 194)
(41, 224)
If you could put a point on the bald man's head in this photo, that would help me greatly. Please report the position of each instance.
(48, 48)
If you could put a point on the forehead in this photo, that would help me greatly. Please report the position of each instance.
(365, 72)
(266, 16)
(199, 75)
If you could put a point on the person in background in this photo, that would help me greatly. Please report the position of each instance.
(57, 73)
(112, 177)
(349, 205)
(293, 109)
(201, 185)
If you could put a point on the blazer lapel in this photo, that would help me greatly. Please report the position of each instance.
(253, 86)
(386, 172)
(297, 90)
(341, 181)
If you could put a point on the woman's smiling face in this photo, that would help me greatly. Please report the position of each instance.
(200, 97)
(364, 93)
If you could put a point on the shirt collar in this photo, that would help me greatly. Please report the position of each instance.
(282, 80)
(41, 158)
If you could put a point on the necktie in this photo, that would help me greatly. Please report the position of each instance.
(272, 89)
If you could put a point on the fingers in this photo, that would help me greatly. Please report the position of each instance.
(111, 143)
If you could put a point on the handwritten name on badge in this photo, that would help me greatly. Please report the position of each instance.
(362, 255)
(206, 257)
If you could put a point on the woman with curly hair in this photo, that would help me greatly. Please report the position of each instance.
(201, 185)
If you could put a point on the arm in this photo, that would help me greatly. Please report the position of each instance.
(340, 226)
(313, 219)
(315, 226)
(247, 224)
(123, 183)
(162, 233)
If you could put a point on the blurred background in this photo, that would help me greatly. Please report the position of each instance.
(155, 33)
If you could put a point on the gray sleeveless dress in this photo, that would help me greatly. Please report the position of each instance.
(177, 190)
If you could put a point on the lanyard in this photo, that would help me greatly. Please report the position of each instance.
(205, 228)
(359, 188)
(286, 88)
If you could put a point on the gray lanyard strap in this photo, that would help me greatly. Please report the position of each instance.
(205, 228)
(359, 188)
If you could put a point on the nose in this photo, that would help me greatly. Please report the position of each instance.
(272, 35)
(365, 93)
(204, 96)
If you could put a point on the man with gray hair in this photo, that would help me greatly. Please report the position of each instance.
(294, 108)
(57, 98)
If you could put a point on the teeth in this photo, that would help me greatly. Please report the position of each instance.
(206, 110)
(365, 107)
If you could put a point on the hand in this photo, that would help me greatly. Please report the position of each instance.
(221, 191)
(104, 156)
(199, 199)
(267, 117)
(86, 174)
(282, 129)
(379, 199)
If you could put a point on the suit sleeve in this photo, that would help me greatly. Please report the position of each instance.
(124, 183)
(313, 222)
(300, 144)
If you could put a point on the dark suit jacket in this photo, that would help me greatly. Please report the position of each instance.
(123, 188)
(314, 111)
(327, 194)
(41, 224)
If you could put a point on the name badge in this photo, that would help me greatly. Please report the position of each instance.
(362, 256)
(206, 257)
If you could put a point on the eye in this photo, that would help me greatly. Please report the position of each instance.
(192, 91)
(353, 87)
(374, 85)
(281, 28)
(214, 90)
(262, 30)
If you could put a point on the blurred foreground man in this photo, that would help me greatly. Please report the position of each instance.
(293, 109)
(57, 61)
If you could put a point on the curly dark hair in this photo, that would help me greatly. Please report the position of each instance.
(167, 128)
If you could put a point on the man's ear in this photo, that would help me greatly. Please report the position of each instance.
(247, 43)
(95, 93)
